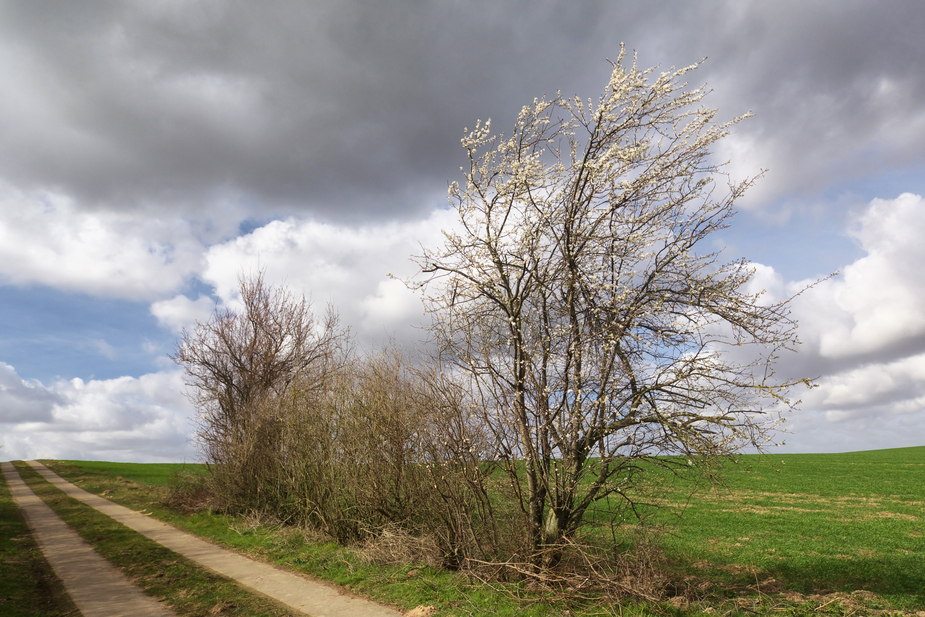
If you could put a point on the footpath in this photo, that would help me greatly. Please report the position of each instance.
(97, 588)
(290, 589)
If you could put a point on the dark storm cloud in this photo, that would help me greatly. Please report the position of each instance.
(836, 87)
(348, 109)
(318, 104)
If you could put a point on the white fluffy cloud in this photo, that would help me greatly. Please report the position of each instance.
(877, 304)
(125, 419)
(45, 238)
(864, 336)
(180, 312)
(863, 331)
(346, 266)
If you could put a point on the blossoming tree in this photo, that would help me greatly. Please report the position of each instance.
(581, 303)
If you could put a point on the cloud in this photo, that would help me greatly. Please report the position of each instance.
(875, 310)
(46, 239)
(834, 90)
(893, 388)
(103, 348)
(343, 107)
(180, 312)
(880, 405)
(23, 401)
(138, 138)
(347, 109)
(144, 419)
(863, 334)
(390, 308)
(345, 265)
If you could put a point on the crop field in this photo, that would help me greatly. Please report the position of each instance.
(827, 534)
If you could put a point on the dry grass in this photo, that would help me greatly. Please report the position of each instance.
(394, 546)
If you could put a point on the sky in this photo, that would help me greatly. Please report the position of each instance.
(152, 152)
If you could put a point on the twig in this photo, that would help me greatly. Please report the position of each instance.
(824, 605)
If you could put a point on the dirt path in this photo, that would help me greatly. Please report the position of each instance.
(291, 589)
(97, 588)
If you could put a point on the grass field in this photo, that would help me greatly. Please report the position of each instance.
(815, 524)
(830, 534)
(154, 474)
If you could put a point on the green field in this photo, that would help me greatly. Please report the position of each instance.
(154, 474)
(815, 523)
(797, 534)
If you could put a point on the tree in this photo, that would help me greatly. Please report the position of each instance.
(236, 363)
(579, 299)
